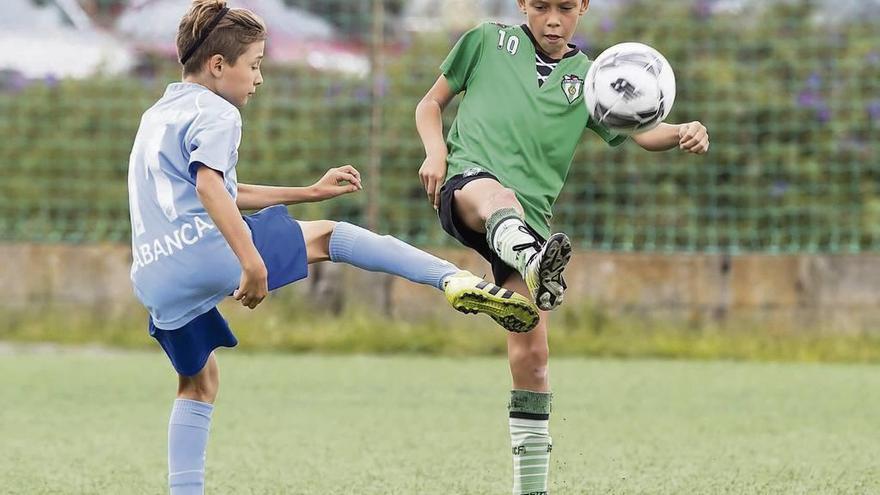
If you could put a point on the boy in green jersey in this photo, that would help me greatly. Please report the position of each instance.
(495, 177)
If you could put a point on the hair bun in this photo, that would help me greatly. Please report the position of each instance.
(209, 4)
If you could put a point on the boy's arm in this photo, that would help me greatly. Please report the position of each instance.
(212, 192)
(692, 137)
(335, 182)
(255, 197)
(429, 122)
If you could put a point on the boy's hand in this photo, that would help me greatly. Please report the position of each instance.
(338, 181)
(253, 287)
(432, 173)
(693, 138)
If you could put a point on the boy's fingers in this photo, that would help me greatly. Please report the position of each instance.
(356, 182)
(252, 301)
(437, 187)
(351, 170)
(690, 143)
(345, 176)
(690, 131)
(699, 148)
(431, 197)
(429, 188)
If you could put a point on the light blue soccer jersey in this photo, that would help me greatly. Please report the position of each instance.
(182, 264)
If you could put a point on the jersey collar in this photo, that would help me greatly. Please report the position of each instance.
(571, 53)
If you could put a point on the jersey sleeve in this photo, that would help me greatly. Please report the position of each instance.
(462, 61)
(607, 135)
(214, 138)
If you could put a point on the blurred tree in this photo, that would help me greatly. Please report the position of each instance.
(353, 17)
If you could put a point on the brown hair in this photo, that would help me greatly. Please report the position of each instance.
(236, 30)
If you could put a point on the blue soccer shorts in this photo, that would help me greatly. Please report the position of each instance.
(279, 240)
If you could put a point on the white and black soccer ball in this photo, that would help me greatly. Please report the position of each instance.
(630, 88)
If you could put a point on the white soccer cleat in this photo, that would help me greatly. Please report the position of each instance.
(544, 272)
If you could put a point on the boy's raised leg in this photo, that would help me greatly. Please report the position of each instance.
(466, 292)
(485, 205)
(540, 264)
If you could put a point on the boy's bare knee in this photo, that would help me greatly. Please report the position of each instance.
(199, 390)
(505, 197)
(317, 237)
(202, 387)
(529, 366)
(532, 355)
(502, 198)
(326, 226)
(317, 228)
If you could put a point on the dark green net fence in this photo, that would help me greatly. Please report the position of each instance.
(789, 89)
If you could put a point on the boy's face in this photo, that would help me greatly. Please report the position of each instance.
(237, 83)
(553, 22)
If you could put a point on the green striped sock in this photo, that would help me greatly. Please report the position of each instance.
(530, 441)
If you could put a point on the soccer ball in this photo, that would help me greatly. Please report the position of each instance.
(629, 88)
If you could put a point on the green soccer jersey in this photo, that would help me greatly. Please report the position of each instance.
(511, 127)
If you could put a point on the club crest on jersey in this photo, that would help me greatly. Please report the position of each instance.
(472, 172)
(572, 86)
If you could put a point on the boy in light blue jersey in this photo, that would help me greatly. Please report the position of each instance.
(192, 248)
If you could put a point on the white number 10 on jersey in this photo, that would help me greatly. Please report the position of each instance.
(512, 44)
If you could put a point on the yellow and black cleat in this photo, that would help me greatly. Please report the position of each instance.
(470, 294)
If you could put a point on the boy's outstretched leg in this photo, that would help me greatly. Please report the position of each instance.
(346, 243)
(487, 206)
(188, 430)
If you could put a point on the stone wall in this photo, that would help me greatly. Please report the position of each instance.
(827, 293)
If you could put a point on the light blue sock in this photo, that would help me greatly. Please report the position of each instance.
(384, 253)
(187, 441)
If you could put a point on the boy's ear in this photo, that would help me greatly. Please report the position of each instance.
(215, 65)
(585, 5)
(522, 5)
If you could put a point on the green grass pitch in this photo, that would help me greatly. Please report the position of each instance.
(95, 423)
